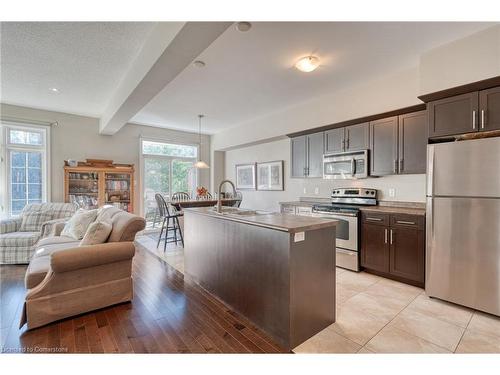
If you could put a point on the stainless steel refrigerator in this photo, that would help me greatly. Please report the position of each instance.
(463, 223)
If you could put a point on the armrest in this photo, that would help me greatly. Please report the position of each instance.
(10, 225)
(91, 256)
(53, 227)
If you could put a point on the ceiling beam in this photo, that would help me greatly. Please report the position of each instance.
(170, 48)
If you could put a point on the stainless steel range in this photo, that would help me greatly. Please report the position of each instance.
(345, 208)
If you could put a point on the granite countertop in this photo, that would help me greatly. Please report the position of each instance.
(271, 220)
(395, 210)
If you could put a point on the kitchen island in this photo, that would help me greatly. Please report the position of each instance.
(277, 270)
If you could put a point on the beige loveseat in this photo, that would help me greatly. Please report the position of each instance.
(64, 279)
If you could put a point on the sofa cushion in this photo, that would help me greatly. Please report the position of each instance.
(46, 250)
(19, 239)
(55, 240)
(78, 224)
(36, 271)
(97, 232)
(58, 210)
(32, 221)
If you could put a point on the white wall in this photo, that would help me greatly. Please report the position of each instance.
(382, 94)
(77, 137)
(466, 60)
(409, 188)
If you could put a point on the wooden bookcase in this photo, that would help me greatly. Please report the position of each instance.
(92, 185)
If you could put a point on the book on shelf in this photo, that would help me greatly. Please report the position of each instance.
(117, 185)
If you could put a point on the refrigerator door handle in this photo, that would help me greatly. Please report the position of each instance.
(474, 119)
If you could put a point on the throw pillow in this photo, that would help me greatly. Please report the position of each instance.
(78, 224)
(32, 221)
(97, 232)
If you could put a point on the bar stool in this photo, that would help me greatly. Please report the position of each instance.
(167, 216)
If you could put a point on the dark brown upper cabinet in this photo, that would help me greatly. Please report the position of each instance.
(298, 150)
(412, 143)
(455, 115)
(334, 140)
(315, 149)
(384, 146)
(489, 109)
(349, 138)
(307, 156)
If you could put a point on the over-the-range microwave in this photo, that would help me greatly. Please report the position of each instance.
(346, 165)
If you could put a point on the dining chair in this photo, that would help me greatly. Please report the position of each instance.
(166, 214)
(180, 196)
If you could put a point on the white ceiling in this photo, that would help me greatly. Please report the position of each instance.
(249, 75)
(84, 60)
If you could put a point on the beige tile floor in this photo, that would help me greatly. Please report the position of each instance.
(377, 315)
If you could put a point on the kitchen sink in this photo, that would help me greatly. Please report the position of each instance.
(234, 211)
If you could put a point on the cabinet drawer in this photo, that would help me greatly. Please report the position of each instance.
(375, 218)
(407, 221)
(288, 209)
(303, 210)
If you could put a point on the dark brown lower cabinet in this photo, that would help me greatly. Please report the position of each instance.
(406, 254)
(375, 252)
(393, 246)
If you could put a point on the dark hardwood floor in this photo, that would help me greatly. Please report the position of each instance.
(167, 315)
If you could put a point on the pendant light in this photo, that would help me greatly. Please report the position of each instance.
(200, 164)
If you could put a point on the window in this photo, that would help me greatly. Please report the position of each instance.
(167, 168)
(24, 155)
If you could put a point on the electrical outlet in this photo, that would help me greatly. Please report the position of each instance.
(316, 190)
(392, 192)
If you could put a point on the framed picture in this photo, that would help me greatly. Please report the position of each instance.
(245, 176)
(270, 175)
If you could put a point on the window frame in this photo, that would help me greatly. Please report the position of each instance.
(143, 156)
(5, 149)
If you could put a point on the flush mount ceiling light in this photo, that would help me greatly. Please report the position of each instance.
(54, 90)
(199, 64)
(243, 26)
(200, 164)
(307, 64)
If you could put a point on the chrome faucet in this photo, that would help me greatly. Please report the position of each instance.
(219, 201)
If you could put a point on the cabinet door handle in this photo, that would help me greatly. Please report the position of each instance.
(343, 144)
(474, 119)
(385, 235)
(405, 222)
(348, 137)
(482, 118)
(373, 219)
(395, 166)
(401, 165)
(391, 236)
